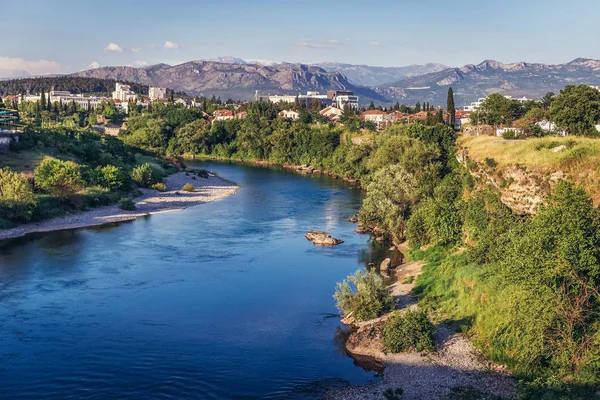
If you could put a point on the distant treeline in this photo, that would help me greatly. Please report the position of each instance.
(70, 83)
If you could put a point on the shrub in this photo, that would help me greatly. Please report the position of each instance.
(161, 187)
(188, 187)
(111, 177)
(366, 299)
(126, 204)
(393, 394)
(409, 330)
(59, 178)
(490, 162)
(143, 175)
(16, 196)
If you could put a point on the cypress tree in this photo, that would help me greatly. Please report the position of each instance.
(417, 107)
(43, 100)
(451, 109)
(440, 117)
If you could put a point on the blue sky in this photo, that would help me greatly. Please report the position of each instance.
(56, 36)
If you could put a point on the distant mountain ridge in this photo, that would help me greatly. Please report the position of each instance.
(471, 81)
(367, 75)
(235, 80)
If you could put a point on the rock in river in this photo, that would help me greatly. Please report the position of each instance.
(321, 238)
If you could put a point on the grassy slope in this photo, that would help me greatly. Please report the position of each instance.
(580, 160)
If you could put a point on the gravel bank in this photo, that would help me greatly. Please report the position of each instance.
(456, 369)
(151, 201)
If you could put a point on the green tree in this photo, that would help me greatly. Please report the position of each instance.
(192, 138)
(451, 108)
(143, 175)
(16, 196)
(576, 109)
(57, 177)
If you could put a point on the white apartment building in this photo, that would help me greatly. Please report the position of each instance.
(157, 93)
(287, 98)
(476, 104)
(343, 101)
(123, 93)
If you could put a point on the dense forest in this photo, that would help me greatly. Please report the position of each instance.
(74, 85)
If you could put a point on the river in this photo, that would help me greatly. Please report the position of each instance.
(222, 300)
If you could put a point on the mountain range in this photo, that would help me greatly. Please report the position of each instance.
(239, 79)
(367, 75)
(470, 82)
(234, 80)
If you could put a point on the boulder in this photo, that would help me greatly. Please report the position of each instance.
(321, 238)
(386, 264)
(353, 219)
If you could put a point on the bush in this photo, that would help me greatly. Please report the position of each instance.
(16, 196)
(143, 175)
(409, 330)
(490, 162)
(110, 177)
(161, 187)
(188, 187)
(367, 299)
(59, 178)
(126, 204)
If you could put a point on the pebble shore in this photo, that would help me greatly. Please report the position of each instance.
(150, 202)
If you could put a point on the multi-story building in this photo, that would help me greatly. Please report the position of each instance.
(342, 99)
(157, 93)
(476, 104)
(123, 93)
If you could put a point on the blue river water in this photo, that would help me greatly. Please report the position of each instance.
(221, 300)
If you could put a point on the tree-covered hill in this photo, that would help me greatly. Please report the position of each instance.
(72, 84)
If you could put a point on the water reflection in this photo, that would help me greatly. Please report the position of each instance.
(177, 304)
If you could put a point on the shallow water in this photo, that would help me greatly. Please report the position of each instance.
(222, 300)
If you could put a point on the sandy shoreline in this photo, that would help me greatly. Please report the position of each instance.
(150, 202)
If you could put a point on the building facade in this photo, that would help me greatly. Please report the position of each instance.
(157, 93)
(123, 93)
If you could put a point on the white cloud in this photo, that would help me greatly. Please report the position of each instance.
(94, 65)
(171, 45)
(319, 43)
(113, 47)
(18, 67)
(374, 43)
(136, 49)
(141, 63)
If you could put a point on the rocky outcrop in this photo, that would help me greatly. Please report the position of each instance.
(321, 238)
(521, 188)
(367, 340)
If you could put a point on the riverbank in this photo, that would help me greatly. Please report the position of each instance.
(305, 169)
(151, 201)
(455, 368)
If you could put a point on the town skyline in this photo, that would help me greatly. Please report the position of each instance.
(267, 31)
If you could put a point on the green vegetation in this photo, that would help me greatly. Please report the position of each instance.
(126, 204)
(16, 196)
(69, 169)
(58, 178)
(577, 109)
(161, 187)
(393, 394)
(408, 330)
(364, 296)
(143, 175)
(188, 187)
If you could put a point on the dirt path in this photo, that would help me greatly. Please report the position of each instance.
(455, 370)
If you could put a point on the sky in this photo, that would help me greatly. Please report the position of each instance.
(61, 36)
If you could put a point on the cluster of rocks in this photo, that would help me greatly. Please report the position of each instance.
(321, 238)
(308, 169)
